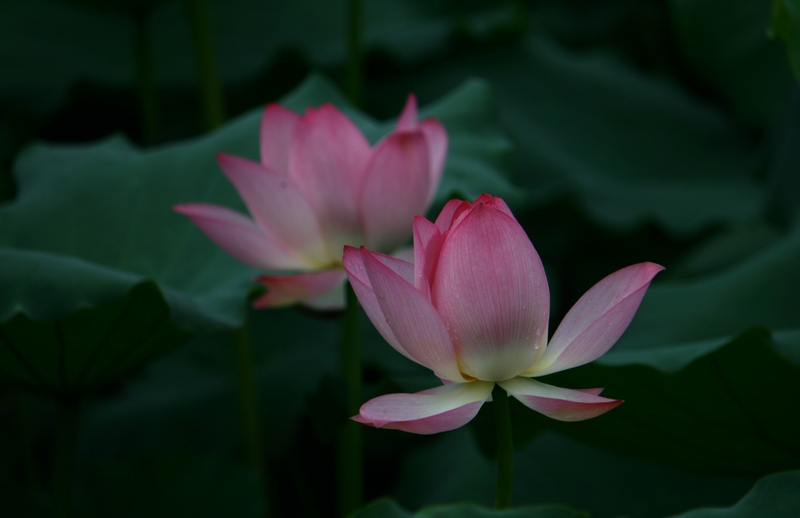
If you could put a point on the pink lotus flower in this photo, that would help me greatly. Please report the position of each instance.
(320, 186)
(474, 309)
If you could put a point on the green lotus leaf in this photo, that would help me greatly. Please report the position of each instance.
(775, 496)
(726, 44)
(786, 26)
(729, 411)
(626, 146)
(387, 508)
(89, 347)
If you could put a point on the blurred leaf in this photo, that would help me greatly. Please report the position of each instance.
(95, 219)
(729, 411)
(763, 290)
(46, 45)
(726, 43)
(787, 343)
(784, 172)
(629, 147)
(386, 508)
(786, 26)
(448, 469)
(726, 249)
(383, 508)
(169, 486)
(632, 147)
(554, 469)
(186, 403)
(89, 347)
(775, 496)
(478, 153)
(127, 7)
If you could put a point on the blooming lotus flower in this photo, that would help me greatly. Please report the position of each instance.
(318, 187)
(474, 309)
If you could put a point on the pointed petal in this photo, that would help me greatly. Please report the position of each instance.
(399, 266)
(395, 190)
(240, 237)
(427, 244)
(278, 207)
(597, 320)
(353, 260)
(495, 203)
(328, 159)
(277, 125)
(449, 213)
(491, 291)
(556, 402)
(317, 290)
(408, 120)
(436, 137)
(431, 411)
(412, 319)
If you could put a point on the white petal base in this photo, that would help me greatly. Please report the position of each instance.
(431, 411)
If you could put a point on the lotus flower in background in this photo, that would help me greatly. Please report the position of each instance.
(318, 187)
(474, 309)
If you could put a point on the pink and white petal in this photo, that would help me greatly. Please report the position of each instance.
(427, 244)
(353, 260)
(556, 402)
(491, 291)
(328, 159)
(277, 126)
(451, 210)
(408, 120)
(278, 207)
(240, 237)
(395, 190)
(285, 290)
(597, 320)
(431, 411)
(436, 137)
(412, 319)
(399, 266)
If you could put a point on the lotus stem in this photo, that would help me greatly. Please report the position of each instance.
(505, 449)
(248, 409)
(350, 452)
(208, 69)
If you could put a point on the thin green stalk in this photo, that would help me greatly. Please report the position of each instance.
(208, 69)
(148, 101)
(353, 72)
(505, 449)
(248, 409)
(350, 453)
(65, 455)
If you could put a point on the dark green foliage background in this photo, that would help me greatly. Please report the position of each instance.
(619, 131)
